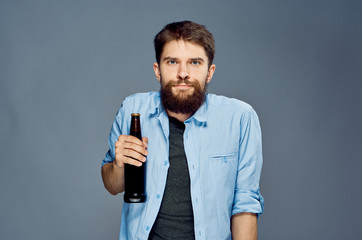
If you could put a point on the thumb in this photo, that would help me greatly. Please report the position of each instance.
(145, 141)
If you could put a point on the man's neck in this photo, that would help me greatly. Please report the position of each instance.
(179, 116)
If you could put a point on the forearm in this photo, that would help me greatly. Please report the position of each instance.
(113, 178)
(244, 226)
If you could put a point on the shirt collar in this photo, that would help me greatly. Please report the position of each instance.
(200, 115)
(156, 106)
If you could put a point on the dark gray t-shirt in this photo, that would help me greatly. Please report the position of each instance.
(175, 219)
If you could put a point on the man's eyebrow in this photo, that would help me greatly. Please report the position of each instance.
(169, 59)
(198, 59)
(174, 59)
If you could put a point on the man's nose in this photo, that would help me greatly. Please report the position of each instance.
(183, 72)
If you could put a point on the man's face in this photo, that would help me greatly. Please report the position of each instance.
(183, 73)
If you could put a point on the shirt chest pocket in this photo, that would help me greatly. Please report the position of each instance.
(223, 169)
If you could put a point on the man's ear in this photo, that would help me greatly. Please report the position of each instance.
(156, 68)
(210, 73)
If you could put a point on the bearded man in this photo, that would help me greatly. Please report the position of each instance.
(203, 151)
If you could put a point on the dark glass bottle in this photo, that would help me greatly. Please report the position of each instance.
(135, 176)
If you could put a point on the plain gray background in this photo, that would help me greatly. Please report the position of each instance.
(66, 66)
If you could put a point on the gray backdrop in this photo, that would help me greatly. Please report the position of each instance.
(65, 67)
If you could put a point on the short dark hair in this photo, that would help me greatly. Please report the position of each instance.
(186, 31)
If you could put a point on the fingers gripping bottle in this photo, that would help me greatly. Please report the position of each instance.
(135, 176)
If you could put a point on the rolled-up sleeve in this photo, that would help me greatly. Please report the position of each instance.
(247, 196)
(113, 137)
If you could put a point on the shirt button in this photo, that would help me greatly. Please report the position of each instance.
(158, 196)
(193, 167)
(197, 200)
(165, 163)
(200, 233)
(147, 228)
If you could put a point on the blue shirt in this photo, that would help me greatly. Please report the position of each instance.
(223, 147)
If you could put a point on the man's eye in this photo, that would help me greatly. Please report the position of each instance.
(195, 63)
(171, 62)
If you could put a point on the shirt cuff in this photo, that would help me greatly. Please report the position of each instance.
(107, 159)
(248, 201)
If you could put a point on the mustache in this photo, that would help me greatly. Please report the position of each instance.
(179, 81)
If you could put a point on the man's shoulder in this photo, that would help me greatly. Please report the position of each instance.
(142, 97)
(139, 102)
(219, 102)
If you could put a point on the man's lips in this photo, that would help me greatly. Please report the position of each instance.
(182, 86)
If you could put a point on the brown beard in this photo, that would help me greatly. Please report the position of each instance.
(181, 103)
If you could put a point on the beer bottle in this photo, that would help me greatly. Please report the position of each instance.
(135, 176)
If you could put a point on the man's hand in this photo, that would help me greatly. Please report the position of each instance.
(129, 149)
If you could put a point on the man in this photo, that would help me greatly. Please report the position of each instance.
(203, 151)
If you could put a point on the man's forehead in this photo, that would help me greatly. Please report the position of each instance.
(182, 48)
